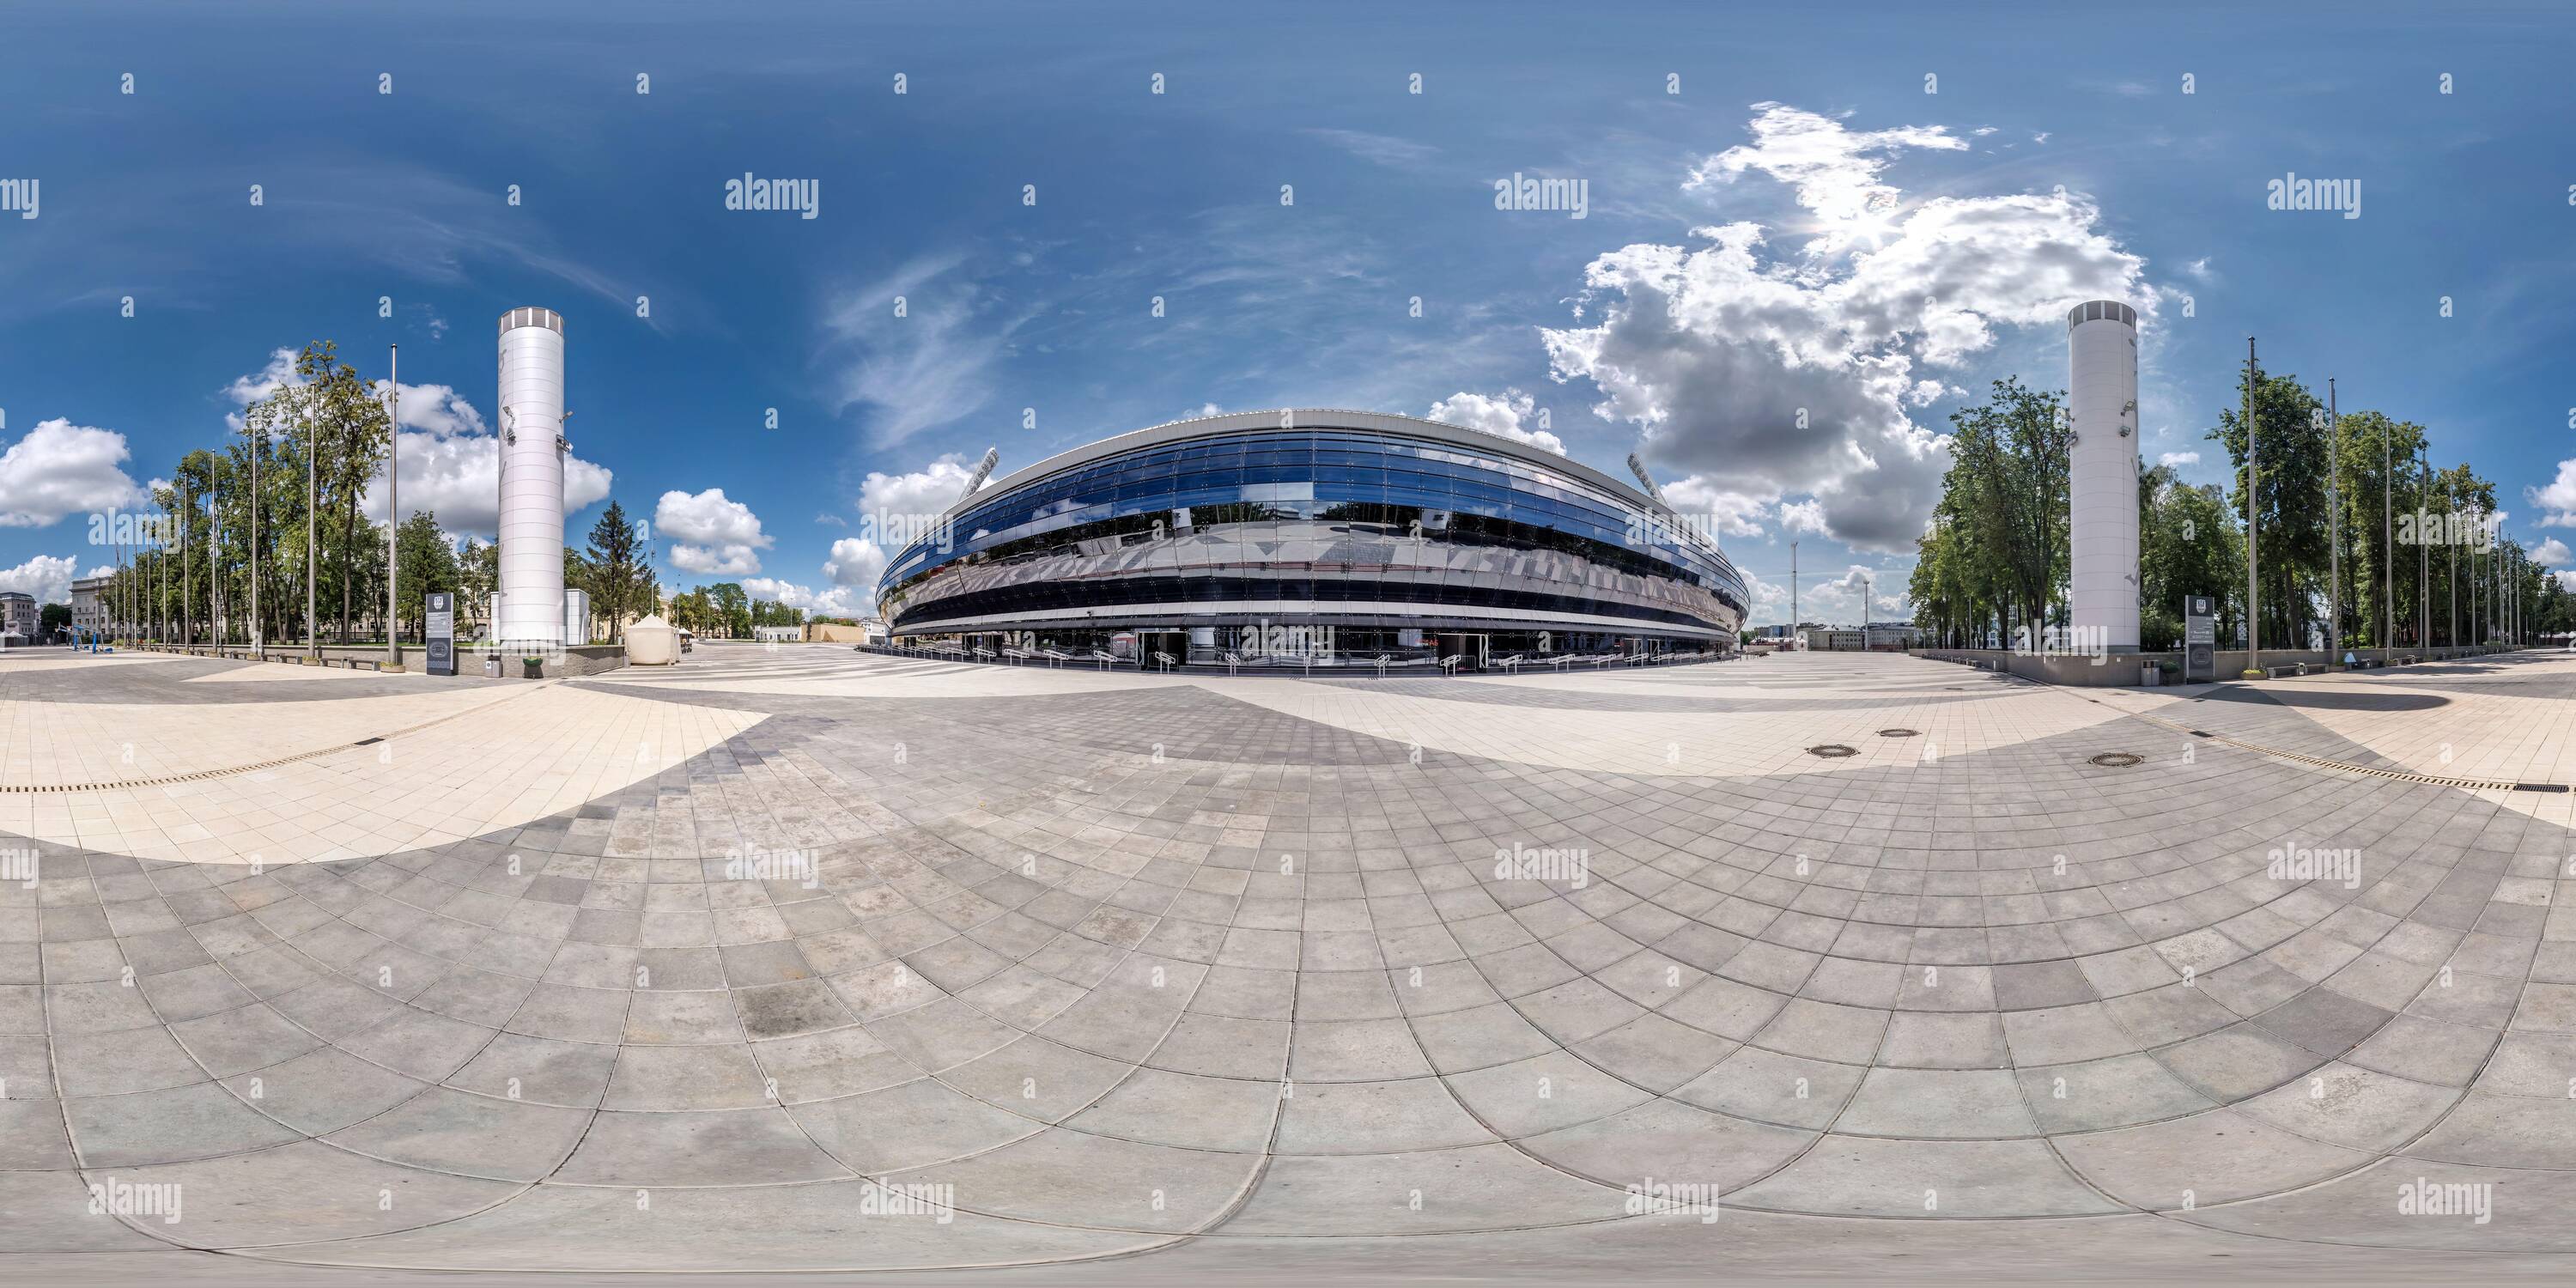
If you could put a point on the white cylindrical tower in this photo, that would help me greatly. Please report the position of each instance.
(532, 477)
(2102, 474)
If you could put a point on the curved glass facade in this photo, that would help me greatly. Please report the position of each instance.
(1374, 536)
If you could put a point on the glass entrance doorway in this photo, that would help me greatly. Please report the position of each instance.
(1470, 650)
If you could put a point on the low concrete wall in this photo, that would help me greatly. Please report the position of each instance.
(2126, 670)
(580, 659)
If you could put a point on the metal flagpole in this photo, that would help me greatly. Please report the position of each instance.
(312, 534)
(2334, 530)
(393, 511)
(2388, 543)
(2253, 593)
(256, 442)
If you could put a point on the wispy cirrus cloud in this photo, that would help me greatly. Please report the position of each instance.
(917, 347)
(1380, 149)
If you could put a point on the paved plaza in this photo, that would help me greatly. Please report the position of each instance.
(798, 958)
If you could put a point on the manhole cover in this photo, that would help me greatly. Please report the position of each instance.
(1896, 733)
(2118, 759)
(1832, 751)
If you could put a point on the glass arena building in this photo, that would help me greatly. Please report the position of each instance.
(1328, 536)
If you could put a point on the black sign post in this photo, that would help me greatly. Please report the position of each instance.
(2199, 638)
(441, 633)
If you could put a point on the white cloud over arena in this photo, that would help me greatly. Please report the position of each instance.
(894, 509)
(1764, 375)
(1497, 415)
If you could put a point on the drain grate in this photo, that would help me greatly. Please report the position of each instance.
(1832, 750)
(2375, 771)
(2118, 759)
(1897, 733)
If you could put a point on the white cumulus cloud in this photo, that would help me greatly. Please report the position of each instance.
(47, 577)
(2552, 553)
(833, 602)
(894, 511)
(1500, 416)
(2557, 501)
(2179, 458)
(59, 469)
(1768, 375)
(712, 534)
(1727, 513)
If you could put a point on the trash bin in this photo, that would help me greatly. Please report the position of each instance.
(492, 667)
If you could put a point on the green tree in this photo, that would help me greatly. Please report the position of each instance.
(733, 609)
(2188, 544)
(429, 565)
(2004, 501)
(616, 570)
(2289, 505)
(478, 574)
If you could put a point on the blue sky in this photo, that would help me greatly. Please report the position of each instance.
(1801, 225)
